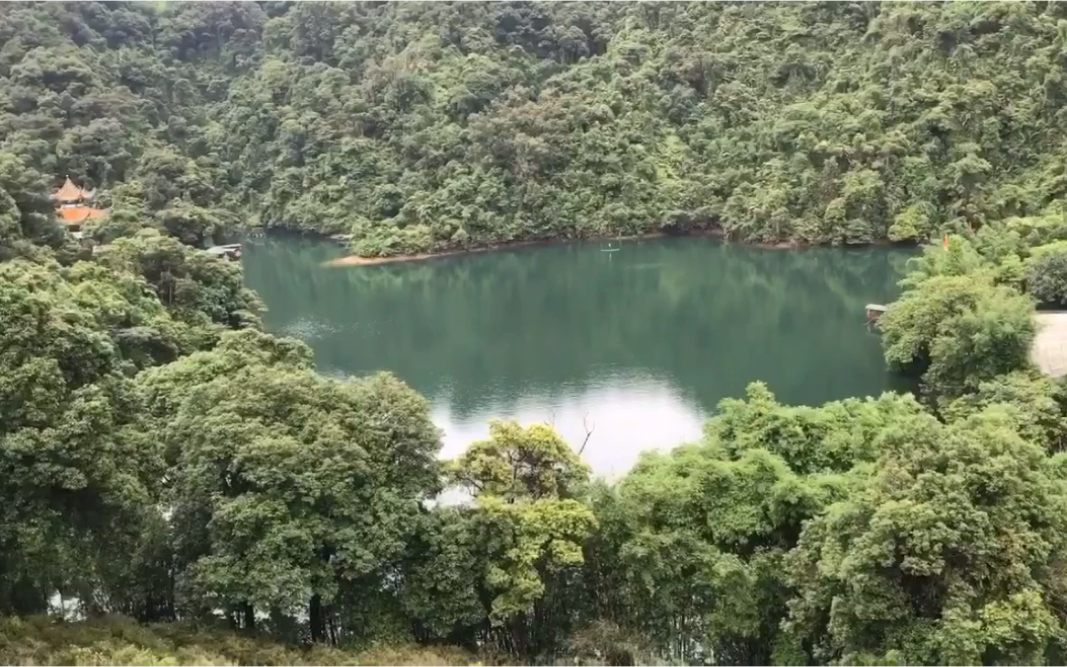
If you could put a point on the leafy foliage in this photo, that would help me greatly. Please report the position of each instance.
(955, 325)
(425, 126)
(947, 555)
(1037, 402)
(1046, 274)
(530, 525)
(163, 458)
(72, 446)
(195, 287)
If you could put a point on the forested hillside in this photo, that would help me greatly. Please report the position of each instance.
(164, 459)
(425, 126)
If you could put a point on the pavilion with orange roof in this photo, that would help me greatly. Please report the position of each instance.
(74, 206)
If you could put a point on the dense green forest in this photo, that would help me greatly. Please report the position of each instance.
(164, 459)
(427, 126)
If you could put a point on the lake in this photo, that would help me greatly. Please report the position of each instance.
(639, 344)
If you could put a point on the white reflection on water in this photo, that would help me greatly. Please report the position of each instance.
(307, 329)
(628, 414)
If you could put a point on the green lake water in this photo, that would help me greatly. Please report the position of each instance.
(640, 344)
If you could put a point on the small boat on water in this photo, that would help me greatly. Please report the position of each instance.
(609, 249)
(231, 251)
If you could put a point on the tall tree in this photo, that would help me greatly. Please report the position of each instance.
(288, 485)
(530, 524)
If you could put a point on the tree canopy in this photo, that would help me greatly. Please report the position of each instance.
(426, 126)
(164, 458)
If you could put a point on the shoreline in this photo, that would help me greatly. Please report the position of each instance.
(359, 260)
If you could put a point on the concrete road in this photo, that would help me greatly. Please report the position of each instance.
(1049, 352)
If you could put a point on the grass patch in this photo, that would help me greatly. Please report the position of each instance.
(121, 641)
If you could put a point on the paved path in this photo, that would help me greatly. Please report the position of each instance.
(1049, 352)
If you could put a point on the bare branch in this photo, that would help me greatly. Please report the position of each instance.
(588, 433)
(552, 422)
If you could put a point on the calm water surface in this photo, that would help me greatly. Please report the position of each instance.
(640, 344)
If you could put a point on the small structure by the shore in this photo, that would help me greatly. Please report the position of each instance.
(231, 251)
(874, 311)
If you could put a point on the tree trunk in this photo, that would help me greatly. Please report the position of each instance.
(520, 643)
(249, 613)
(316, 620)
(332, 628)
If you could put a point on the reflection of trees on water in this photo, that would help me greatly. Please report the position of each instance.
(710, 317)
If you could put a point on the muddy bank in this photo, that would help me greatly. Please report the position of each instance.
(357, 260)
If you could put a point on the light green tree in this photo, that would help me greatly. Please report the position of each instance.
(957, 331)
(529, 522)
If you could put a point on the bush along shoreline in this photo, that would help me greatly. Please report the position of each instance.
(709, 232)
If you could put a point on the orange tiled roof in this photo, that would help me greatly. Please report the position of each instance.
(76, 214)
(70, 192)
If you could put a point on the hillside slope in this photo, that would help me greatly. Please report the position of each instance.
(425, 126)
